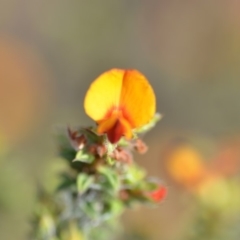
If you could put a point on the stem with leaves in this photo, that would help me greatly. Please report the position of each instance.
(101, 181)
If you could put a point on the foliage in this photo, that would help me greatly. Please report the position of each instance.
(100, 183)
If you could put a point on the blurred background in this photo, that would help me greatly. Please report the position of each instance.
(50, 51)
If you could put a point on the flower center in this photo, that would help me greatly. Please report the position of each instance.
(115, 125)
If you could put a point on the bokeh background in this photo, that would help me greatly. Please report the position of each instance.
(51, 50)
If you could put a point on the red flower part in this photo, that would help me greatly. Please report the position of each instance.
(140, 146)
(159, 194)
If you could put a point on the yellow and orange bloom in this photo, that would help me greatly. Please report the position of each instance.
(120, 101)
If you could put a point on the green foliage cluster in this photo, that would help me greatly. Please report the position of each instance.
(101, 181)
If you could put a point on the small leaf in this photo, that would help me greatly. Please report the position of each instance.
(110, 161)
(83, 182)
(66, 182)
(110, 147)
(67, 152)
(90, 209)
(116, 207)
(135, 174)
(111, 178)
(82, 156)
(147, 185)
(91, 135)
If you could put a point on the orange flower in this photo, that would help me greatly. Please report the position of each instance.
(186, 165)
(120, 101)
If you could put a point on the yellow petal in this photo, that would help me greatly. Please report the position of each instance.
(107, 124)
(104, 94)
(137, 98)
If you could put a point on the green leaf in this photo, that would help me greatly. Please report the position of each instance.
(88, 210)
(66, 182)
(91, 135)
(110, 147)
(82, 156)
(67, 153)
(135, 174)
(91, 209)
(148, 185)
(111, 178)
(83, 182)
(116, 207)
(110, 161)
